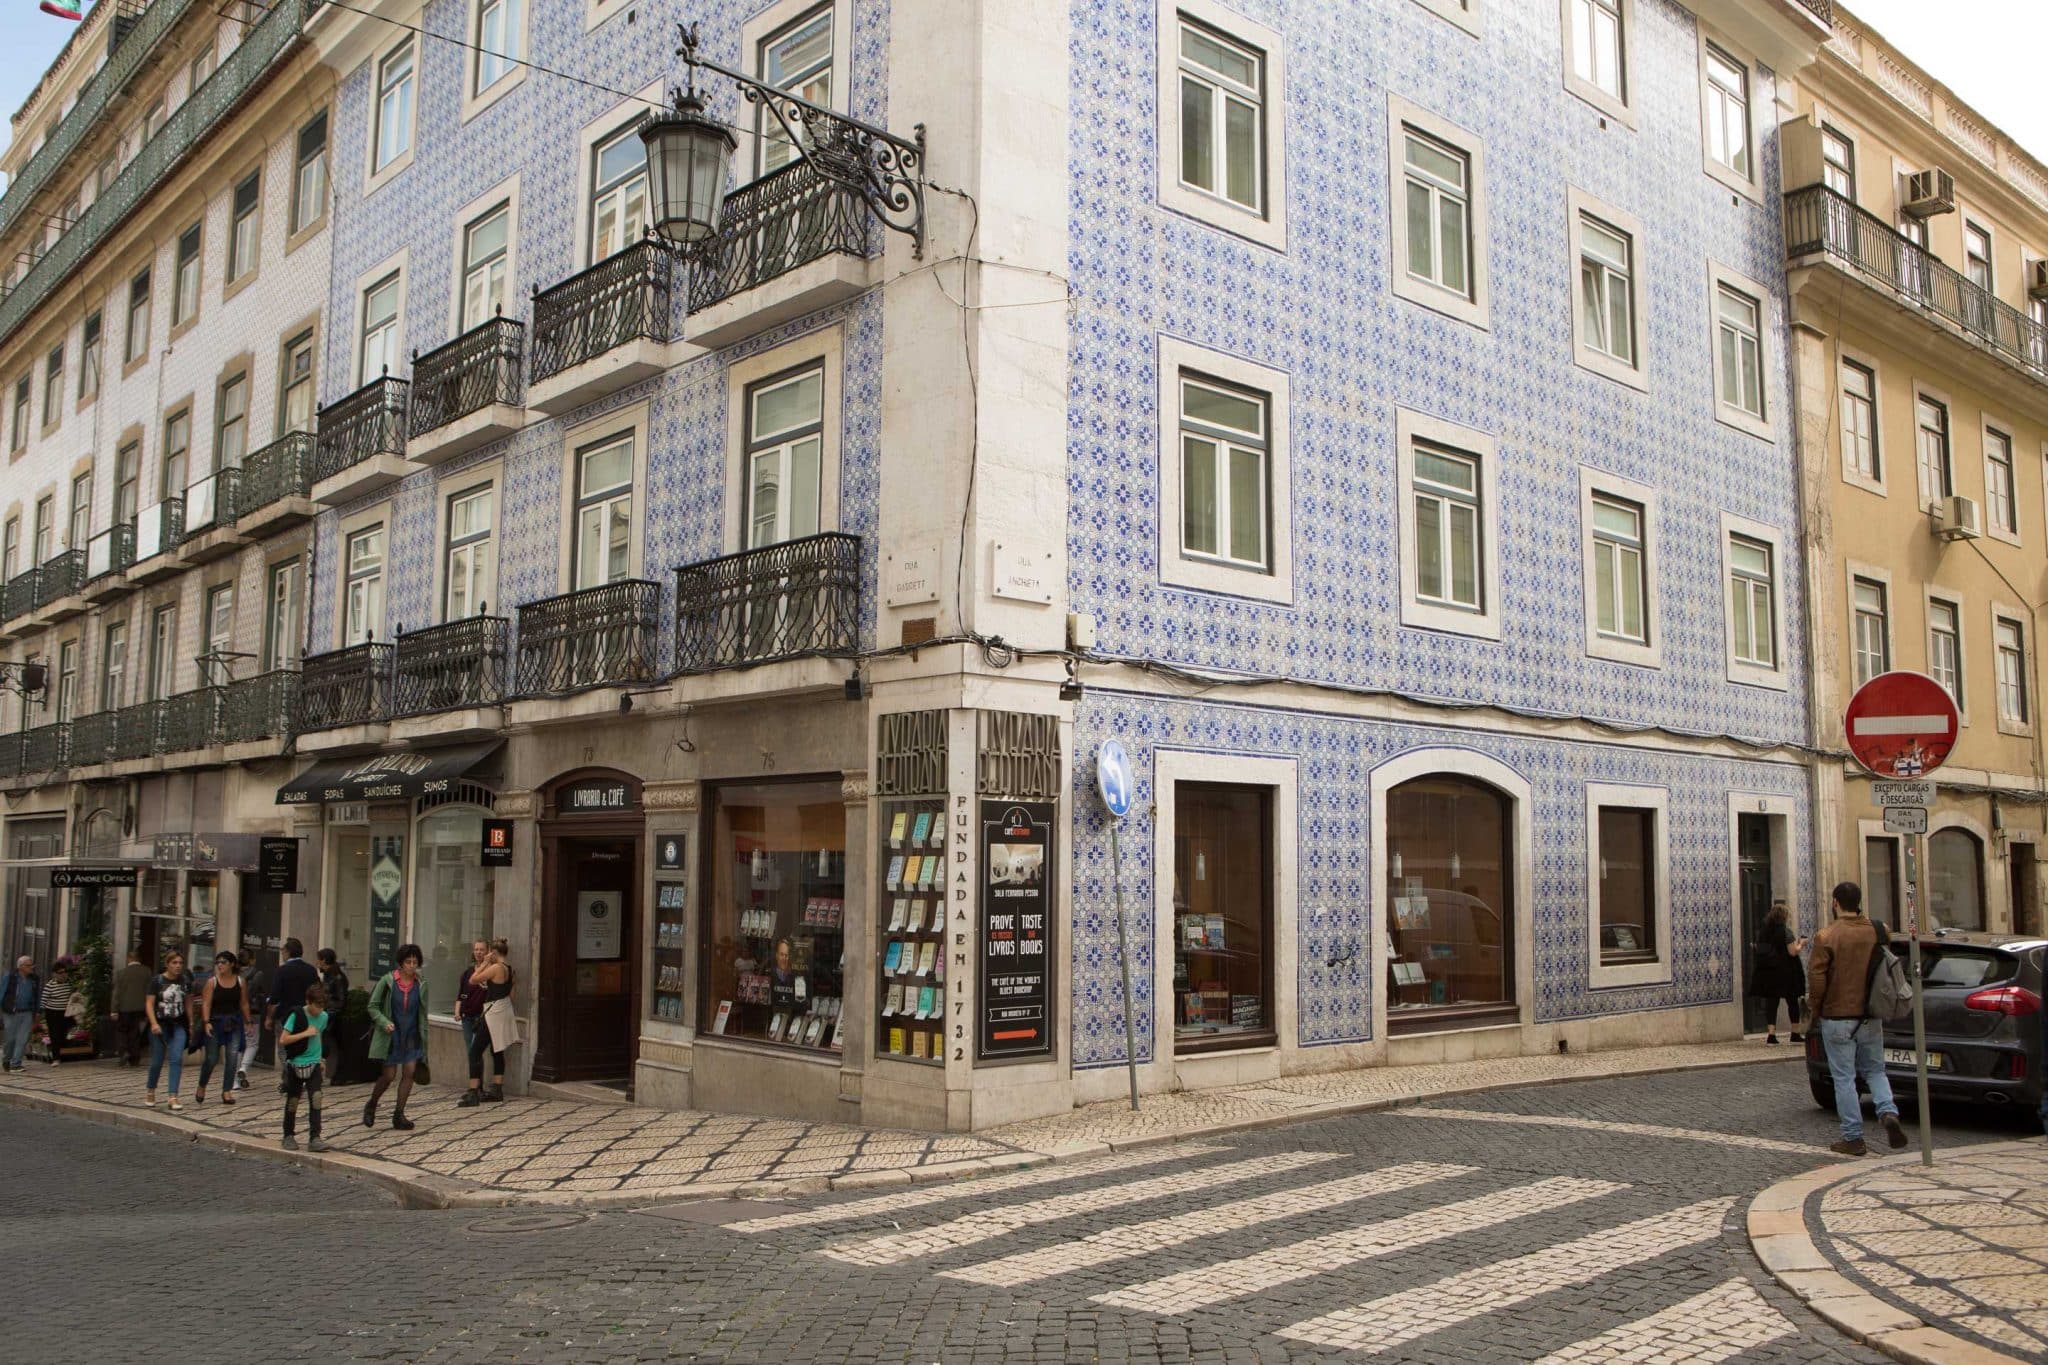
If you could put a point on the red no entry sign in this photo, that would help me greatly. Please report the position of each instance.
(1901, 725)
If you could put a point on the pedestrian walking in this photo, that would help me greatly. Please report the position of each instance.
(334, 981)
(495, 1028)
(224, 1023)
(131, 991)
(20, 991)
(1775, 972)
(398, 1033)
(170, 991)
(1838, 996)
(286, 990)
(469, 997)
(57, 1007)
(301, 1033)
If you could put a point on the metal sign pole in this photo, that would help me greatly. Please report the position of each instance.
(1123, 952)
(1917, 904)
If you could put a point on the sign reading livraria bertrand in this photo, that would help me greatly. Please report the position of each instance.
(1016, 930)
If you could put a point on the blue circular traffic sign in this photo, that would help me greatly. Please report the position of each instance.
(1113, 777)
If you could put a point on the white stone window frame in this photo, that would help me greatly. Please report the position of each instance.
(1466, 14)
(824, 348)
(1621, 110)
(1202, 575)
(1881, 577)
(637, 420)
(1657, 800)
(1474, 308)
(378, 514)
(1750, 186)
(1959, 604)
(1778, 677)
(758, 29)
(489, 476)
(1763, 427)
(1650, 652)
(1268, 226)
(2005, 612)
(1579, 206)
(505, 192)
(399, 261)
(1942, 399)
(1409, 427)
(475, 101)
(1880, 485)
(1785, 822)
(1987, 424)
(375, 177)
(602, 129)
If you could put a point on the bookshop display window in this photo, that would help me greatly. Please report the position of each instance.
(775, 949)
(451, 896)
(910, 991)
(1450, 917)
(1222, 916)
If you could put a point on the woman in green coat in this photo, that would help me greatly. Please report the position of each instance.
(398, 1033)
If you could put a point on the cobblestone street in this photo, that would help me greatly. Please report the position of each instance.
(1598, 1220)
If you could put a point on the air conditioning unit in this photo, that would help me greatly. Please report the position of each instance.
(2037, 279)
(1957, 518)
(1930, 193)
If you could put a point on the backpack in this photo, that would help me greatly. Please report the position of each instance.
(293, 1022)
(1888, 994)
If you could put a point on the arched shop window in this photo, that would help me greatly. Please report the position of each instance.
(1955, 898)
(1450, 888)
(452, 890)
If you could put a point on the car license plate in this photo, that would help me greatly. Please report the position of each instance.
(1902, 1056)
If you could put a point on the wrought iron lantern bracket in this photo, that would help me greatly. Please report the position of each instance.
(886, 171)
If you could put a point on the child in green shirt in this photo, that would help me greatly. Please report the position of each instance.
(298, 1045)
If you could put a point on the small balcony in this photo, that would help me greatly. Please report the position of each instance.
(602, 329)
(275, 491)
(468, 393)
(157, 533)
(361, 445)
(137, 732)
(10, 755)
(257, 709)
(190, 720)
(1820, 222)
(46, 748)
(18, 597)
(796, 600)
(599, 637)
(452, 667)
(59, 585)
(107, 557)
(210, 531)
(344, 687)
(788, 244)
(92, 739)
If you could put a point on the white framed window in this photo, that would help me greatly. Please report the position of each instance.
(469, 568)
(2001, 504)
(135, 344)
(220, 634)
(231, 422)
(391, 133)
(177, 455)
(10, 550)
(1741, 399)
(114, 667)
(127, 481)
(1862, 457)
(1751, 558)
(1448, 485)
(43, 542)
(90, 345)
(1221, 119)
(601, 528)
(18, 423)
(785, 457)
(295, 385)
(486, 253)
(1597, 40)
(1438, 213)
(1945, 647)
(185, 279)
(1730, 133)
(500, 30)
(381, 344)
(309, 175)
(1607, 318)
(1838, 161)
(53, 386)
(362, 595)
(618, 193)
(1870, 625)
(283, 594)
(797, 57)
(1225, 475)
(2009, 655)
(81, 511)
(244, 226)
(163, 653)
(1618, 518)
(67, 681)
(1933, 457)
(1628, 884)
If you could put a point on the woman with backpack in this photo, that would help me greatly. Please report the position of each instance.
(1775, 973)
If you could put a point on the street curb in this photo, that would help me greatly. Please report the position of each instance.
(415, 1189)
(1779, 1237)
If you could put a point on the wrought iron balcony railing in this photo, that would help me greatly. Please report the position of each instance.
(367, 423)
(481, 367)
(10, 754)
(111, 551)
(138, 730)
(159, 529)
(46, 748)
(448, 667)
(599, 637)
(92, 738)
(787, 218)
(1823, 10)
(210, 503)
(283, 469)
(60, 577)
(259, 707)
(1819, 220)
(18, 595)
(789, 601)
(188, 126)
(623, 298)
(344, 687)
(191, 720)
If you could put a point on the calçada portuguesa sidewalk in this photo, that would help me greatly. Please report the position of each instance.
(554, 1152)
(1945, 1264)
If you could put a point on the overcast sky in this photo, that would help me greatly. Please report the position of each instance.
(1987, 51)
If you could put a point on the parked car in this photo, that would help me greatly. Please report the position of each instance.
(1984, 1040)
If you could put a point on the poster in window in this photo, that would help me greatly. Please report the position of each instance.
(1016, 930)
(598, 915)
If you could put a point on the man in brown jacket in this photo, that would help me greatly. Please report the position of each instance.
(1838, 993)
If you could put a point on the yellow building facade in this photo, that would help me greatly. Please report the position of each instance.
(1917, 271)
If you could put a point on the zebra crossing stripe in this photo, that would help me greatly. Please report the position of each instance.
(1191, 1289)
(984, 1224)
(1158, 1234)
(1396, 1319)
(887, 1204)
(1723, 1322)
(1761, 1144)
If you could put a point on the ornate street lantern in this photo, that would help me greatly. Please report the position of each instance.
(688, 155)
